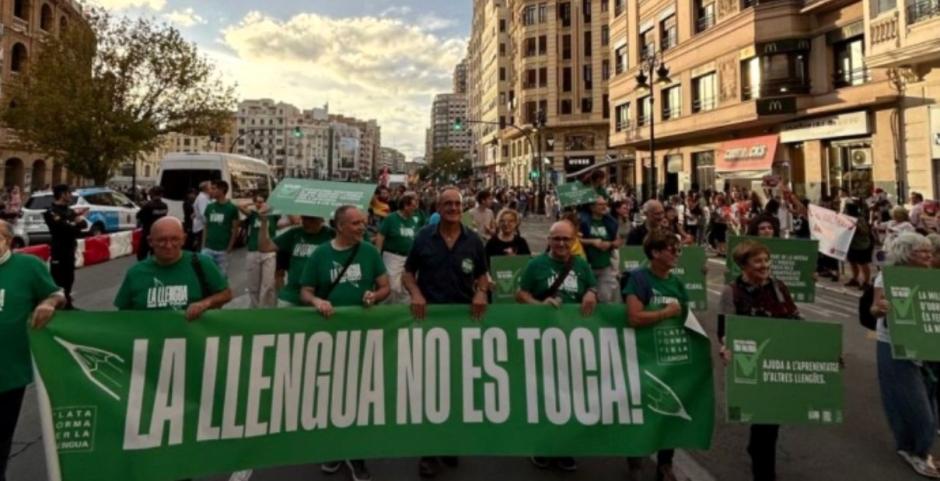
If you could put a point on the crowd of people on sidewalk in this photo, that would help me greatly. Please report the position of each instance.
(433, 245)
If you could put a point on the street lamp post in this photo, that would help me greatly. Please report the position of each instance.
(652, 63)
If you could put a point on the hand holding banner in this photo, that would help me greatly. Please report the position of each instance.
(690, 269)
(783, 371)
(575, 193)
(506, 272)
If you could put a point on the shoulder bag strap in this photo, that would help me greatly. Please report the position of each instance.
(201, 276)
(559, 280)
(352, 256)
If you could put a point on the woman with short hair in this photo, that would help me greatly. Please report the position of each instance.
(507, 241)
(907, 387)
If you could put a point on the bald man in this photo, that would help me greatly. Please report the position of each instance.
(540, 282)
(27, 295)
(173, 279)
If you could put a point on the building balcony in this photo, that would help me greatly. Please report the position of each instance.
(905, 37)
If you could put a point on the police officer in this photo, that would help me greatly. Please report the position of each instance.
(65, 226)
(27, 292)
(149, 213)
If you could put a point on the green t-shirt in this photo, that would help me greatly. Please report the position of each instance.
(253, 221)
(300, 245)
(664, 292)
(219, 221)
(541, 271)
(24, 283)
(149, 286)
(599, 259)
(399, 233)
(325, 264)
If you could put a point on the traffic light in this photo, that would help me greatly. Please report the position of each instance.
(458, 124)
(534, 174)
(297, 133)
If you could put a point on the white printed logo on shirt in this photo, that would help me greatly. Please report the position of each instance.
(662, 300)
(304, 250)
(217, 218)
(569, 285)
(161, 296)
(3, 296)
(352, 276)
(406, 232)
(599, 231)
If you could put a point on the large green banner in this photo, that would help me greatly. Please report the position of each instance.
(575, 193)
(783, 371)
(318, 198)
(691, 270)
(792, 261)
(147, 396)
(506, 272)
(914, 317)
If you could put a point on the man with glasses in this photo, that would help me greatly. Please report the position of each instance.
(446, 265)
(601, 242)
(656, 296)
(655, 214)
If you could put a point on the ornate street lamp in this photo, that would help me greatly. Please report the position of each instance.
(652, 63)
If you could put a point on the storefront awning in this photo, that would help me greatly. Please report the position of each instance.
(751, 154)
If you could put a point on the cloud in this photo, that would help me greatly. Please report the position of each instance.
(185, 18)
(432, 22)
(369, 67)
(156, 5)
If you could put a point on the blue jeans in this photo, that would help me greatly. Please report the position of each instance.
(908, 395)
(219, 257)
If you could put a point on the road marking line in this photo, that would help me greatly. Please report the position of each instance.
(691, 468)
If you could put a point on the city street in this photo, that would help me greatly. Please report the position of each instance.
(859, 449)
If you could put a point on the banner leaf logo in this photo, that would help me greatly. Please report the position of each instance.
(663, 400)
(100, 367)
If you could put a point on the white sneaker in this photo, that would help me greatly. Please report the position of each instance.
(924, 467)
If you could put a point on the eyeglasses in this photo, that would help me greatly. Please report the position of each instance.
(561, 240)
(167, 241)
(451, 203)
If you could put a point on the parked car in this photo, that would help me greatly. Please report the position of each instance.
(107, 211)
(20, 236)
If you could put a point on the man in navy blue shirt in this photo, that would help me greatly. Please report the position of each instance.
(446, 265)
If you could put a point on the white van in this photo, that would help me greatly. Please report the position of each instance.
(181, 172)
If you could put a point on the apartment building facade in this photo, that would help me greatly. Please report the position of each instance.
(760, 92)
(559, 54)
(442, 134)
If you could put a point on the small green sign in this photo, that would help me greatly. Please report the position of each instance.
(506, 272)
(914, 317)
(690, 269)
(575, 193)
(783, 371)
(792, 261)
(316, 198)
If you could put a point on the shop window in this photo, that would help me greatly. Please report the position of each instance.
(669, 32)
(703, 170)
(672, 102)
(850, 63)
(704, 93)
(704, 15)
(850, 167)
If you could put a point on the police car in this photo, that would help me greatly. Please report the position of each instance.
(107, 211)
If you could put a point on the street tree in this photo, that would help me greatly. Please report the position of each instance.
(102, 94)
(448, 165)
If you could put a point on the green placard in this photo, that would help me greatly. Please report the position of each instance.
(148, 396)
(316, 198)
(691, 270)
(783, 371)
(914, 317)
(467, 220)
(575, 193)
(506, 272)
(792, 261)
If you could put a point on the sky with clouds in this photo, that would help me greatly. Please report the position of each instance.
(381, 59)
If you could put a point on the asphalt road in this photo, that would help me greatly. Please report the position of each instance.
(859, 449)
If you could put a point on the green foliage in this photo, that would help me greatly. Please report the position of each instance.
(102, 94)
(449, 165)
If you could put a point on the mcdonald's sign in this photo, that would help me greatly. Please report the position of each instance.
(776, 106)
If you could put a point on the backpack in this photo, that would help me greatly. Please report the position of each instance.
(864, 309)
(641, 279)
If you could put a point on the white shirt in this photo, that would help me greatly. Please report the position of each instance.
(199, 211)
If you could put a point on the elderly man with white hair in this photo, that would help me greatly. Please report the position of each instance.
(655, 214)
(28, 295)
(907, 388)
